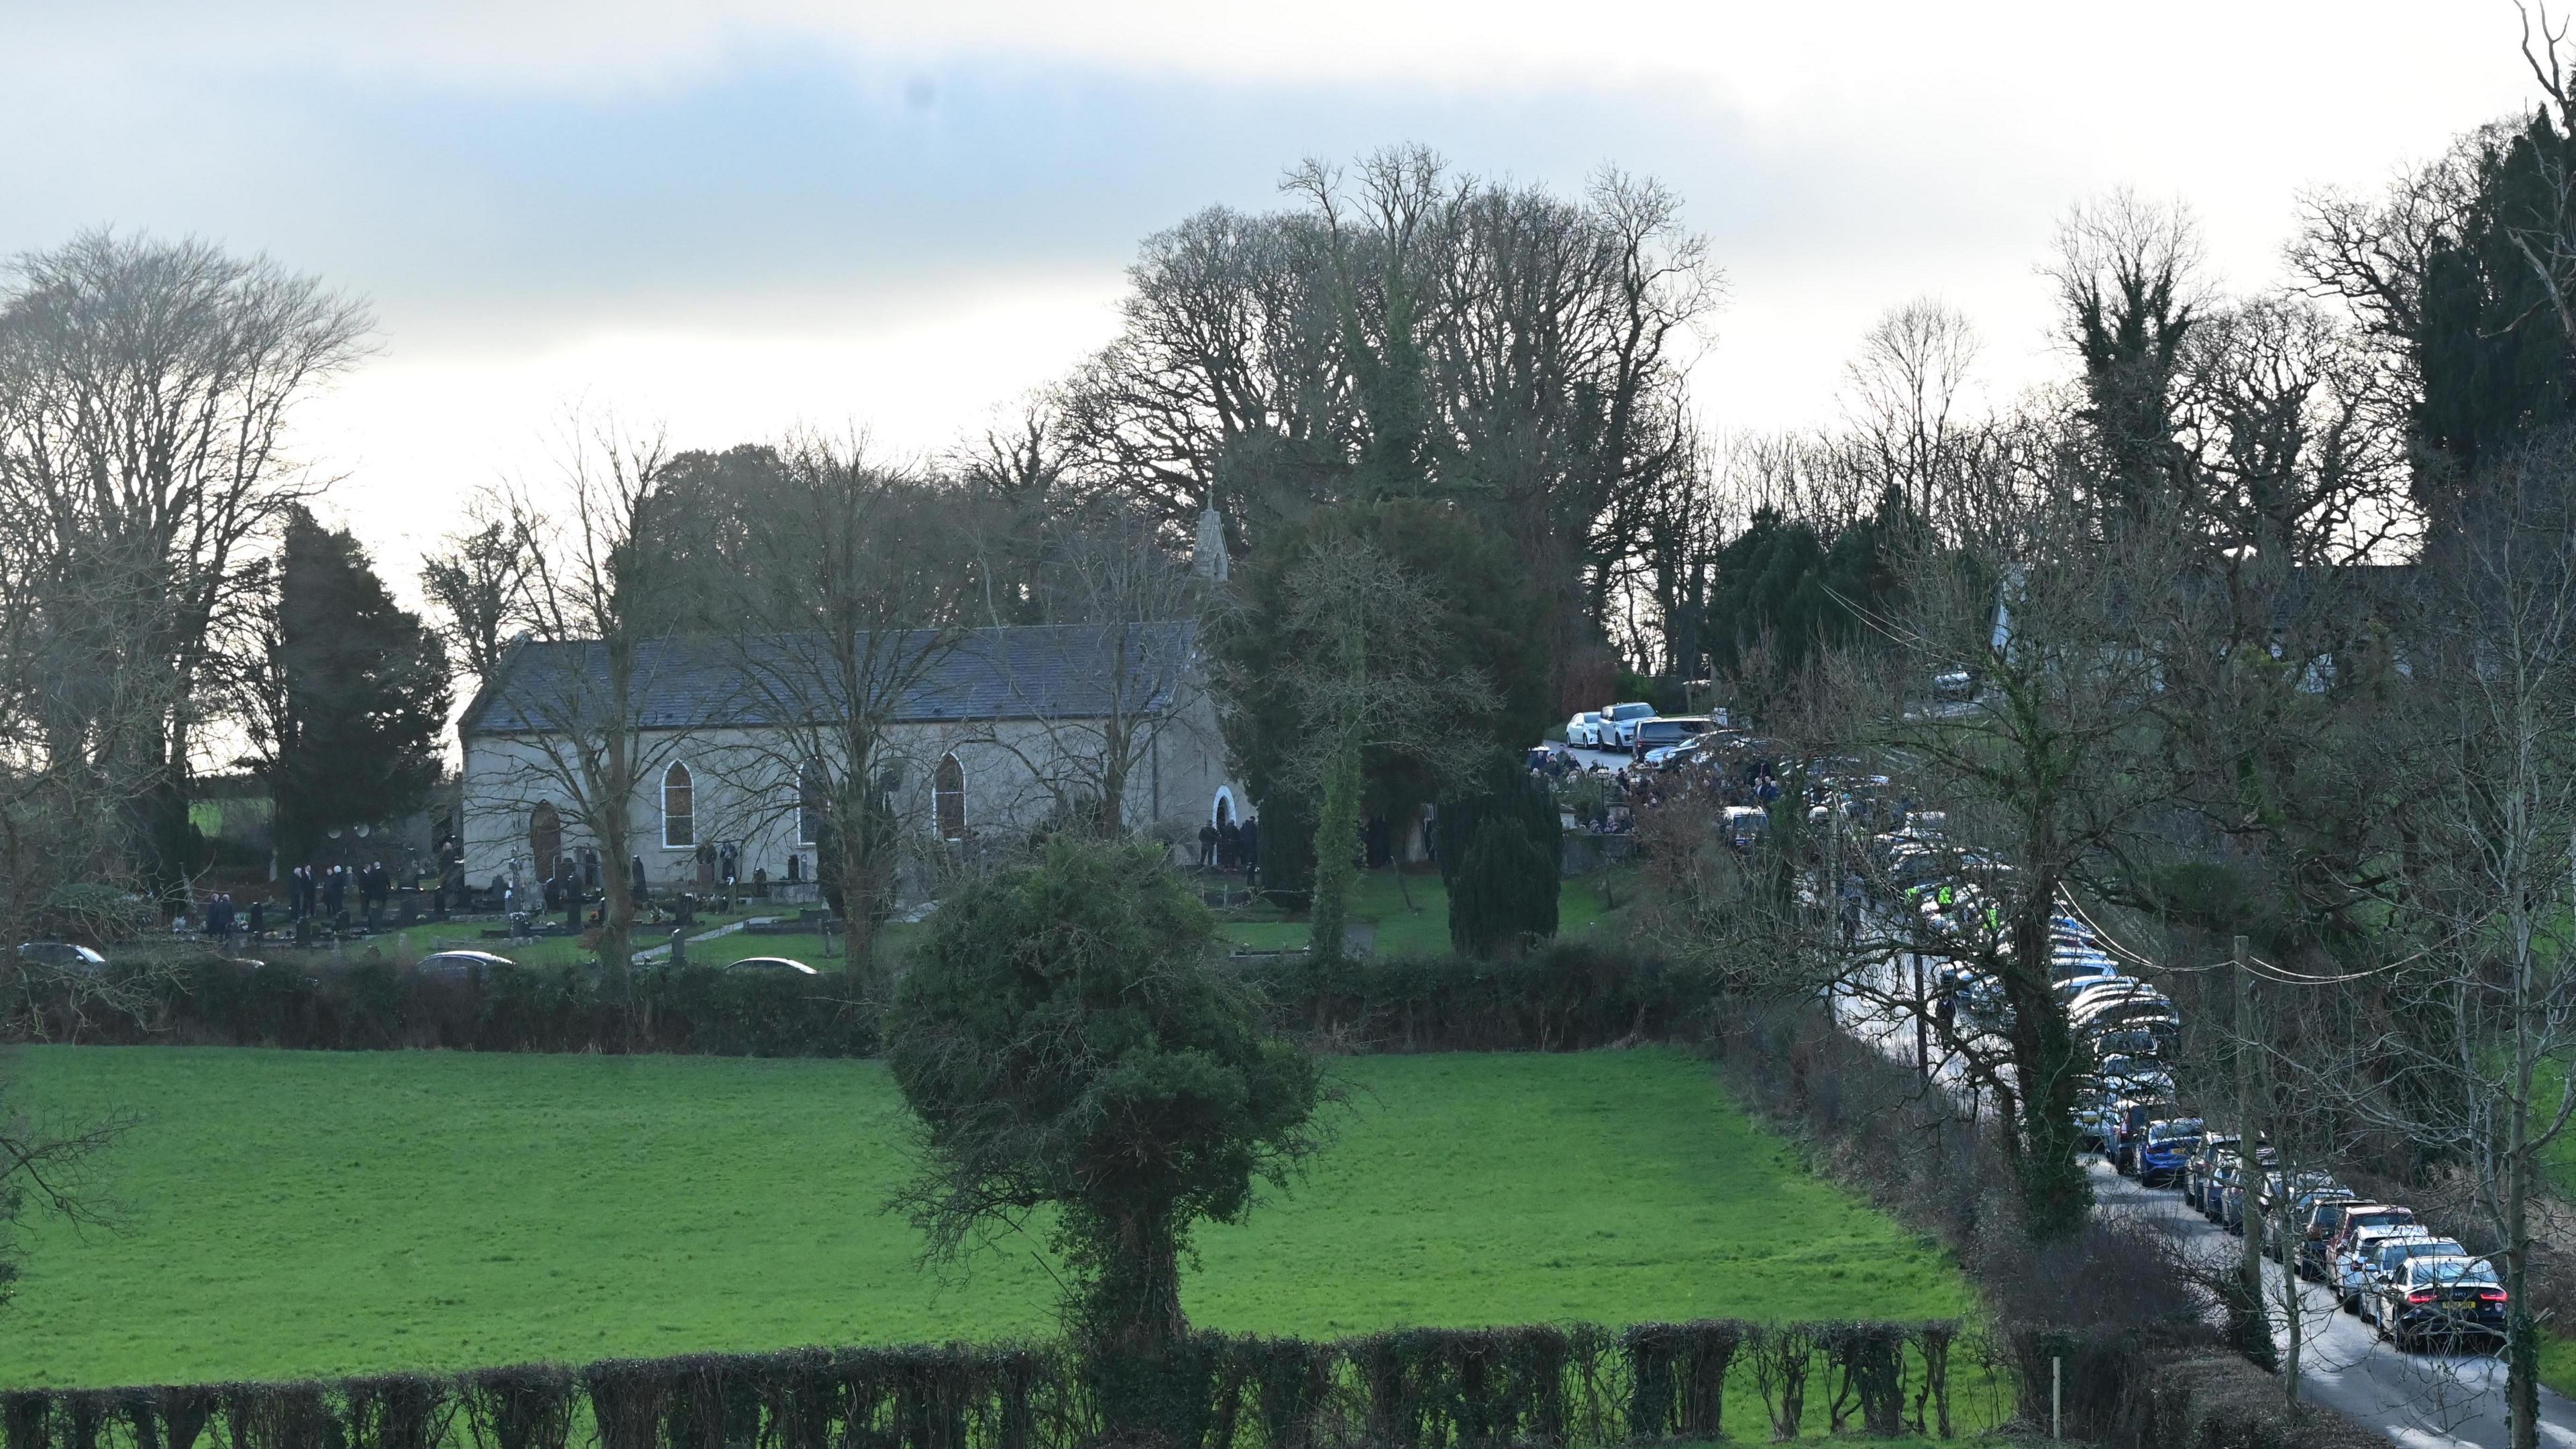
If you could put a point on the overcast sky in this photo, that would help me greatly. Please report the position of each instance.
(735, 217)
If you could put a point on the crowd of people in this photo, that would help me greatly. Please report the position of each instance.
(1226, 846)
(318, 898)
(1608, 802)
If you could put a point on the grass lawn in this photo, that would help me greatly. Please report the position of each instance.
(1421, 928)
(315, 1213)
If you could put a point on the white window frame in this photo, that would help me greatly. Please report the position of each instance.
(688, 782)
(938, 821)
(812, 787)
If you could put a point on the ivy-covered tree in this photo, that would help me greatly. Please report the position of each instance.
(1069, 1046)
(352, 692)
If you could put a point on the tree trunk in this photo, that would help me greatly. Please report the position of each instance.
(2056, 1195)
(1337, 827)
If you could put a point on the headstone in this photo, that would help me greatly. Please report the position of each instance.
(679, 948)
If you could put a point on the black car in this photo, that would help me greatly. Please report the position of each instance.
(2442, 1300)
(772, 966)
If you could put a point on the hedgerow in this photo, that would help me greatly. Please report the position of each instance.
(1563, 996)
(368, 1006)
(1575, 1387)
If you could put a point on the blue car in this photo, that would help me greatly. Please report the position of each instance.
(2167, 1151)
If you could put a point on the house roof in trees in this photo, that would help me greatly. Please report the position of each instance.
(917, 676)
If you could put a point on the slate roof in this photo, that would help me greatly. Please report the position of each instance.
(1038, 671)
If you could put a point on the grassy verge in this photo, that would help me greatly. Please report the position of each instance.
(1411, 916)
(313, 1213)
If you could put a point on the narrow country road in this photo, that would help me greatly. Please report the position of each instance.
(2422, 1400)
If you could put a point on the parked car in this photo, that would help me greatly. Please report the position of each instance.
(459, 965)
(2244, 1183)
(1584, 730)
(1618, 727)
(2442, 1300)
(1663, 731)
(2324, 1225)
(2204, 1163)
(2389, 1259)
(62, 956)
(772, 966)
(2360, 1235)
(2166, 1151)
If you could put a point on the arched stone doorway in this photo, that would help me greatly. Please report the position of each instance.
(545, 839)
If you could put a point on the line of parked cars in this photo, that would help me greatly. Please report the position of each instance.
(1635, 727)
(2417, 1288)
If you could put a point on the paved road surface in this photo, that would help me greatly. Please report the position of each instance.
(2421, 1400)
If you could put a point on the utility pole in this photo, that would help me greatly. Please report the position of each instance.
(2249, 1146)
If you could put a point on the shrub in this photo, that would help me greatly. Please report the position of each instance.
(201, 999)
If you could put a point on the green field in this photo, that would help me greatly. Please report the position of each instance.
(300, 1213)
(1419, 926)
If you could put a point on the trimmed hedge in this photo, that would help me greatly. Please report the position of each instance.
(1563, 996)
(369, 1006)
(1577, 1387)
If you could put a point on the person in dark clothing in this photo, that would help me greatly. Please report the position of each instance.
(258, 919)
(1229, 837)
(636, 870)
(1247, 846)
(1207, 846)
(335, 891)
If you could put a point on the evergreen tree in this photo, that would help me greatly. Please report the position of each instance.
(354, 692)
(1498, 843)
(2494, 358)
(1783, 586)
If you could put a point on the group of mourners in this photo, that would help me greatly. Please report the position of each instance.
(1226, 846)
(319, 894)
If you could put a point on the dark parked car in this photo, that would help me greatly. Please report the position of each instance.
(459, 965)
(2442, 1300)
(2298, 1247)
(2167, 1151)
(772, 966)
(2325, 1224)
(2204, 1161)
(62, 956)
(1664, 730)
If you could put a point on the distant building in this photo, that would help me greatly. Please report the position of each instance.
(989, 733)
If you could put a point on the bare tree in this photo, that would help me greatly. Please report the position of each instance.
(2489, 888)
(145, 394)
(873, 562)
(479, 581)
(1902, 398)
(1120, 606)
(594, 716)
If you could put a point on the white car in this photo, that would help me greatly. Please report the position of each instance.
(1584, 730)
(1618, 729)
(2345, 1273)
